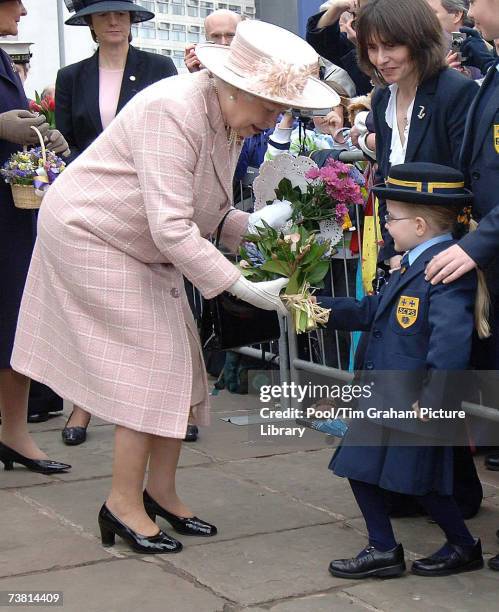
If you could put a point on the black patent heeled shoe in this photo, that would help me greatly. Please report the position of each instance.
(73, 436)
(9, 456)
(192, 433)
(192, 526)
(111, 526)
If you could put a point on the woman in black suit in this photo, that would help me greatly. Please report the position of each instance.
(420, 105)
(90, 93)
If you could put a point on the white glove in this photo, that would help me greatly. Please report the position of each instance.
(264, 295)
(276, 215)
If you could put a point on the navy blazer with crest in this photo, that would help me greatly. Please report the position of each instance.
(77, 110)
(435, 341)
(436, 131)
(480, 164)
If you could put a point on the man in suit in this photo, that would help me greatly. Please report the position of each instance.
(220, 28)
(480, 160)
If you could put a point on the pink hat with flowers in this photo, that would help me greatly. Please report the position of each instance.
(272, 63)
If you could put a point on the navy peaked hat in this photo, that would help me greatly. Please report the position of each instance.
(424, 183)
(84, 8)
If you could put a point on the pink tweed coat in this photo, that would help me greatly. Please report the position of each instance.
(104, 312)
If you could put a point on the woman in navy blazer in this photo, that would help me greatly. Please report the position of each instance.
(78, 89)
(17, 237)
(411, 76)
(91, 92)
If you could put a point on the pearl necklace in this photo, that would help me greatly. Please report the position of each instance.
(231, 134)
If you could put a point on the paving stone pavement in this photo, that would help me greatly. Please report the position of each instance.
(282, 516)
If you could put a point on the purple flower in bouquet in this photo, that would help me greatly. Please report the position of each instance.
(254, 255)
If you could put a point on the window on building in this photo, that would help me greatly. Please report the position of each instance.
(162, 6)
(193, 8)
(177, 7)
(249, 11)
(178, 59)
(149, 49)
(235, 8)
(135, 31)
(205, 8)
(164, 30)
(193, 34)
(222, 5)
(147, 29)
(166, 52)
(178, 32)
(148, 4)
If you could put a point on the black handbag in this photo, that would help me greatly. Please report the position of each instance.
(229, 323)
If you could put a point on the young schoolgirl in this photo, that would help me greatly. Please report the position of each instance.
(419, 338)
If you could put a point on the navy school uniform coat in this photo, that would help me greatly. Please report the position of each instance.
(17, 227)
(480, 163)
(77, 110)
(393, 453)
(436, 132)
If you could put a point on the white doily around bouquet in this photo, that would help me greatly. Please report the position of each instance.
(331, 230)
(272, 172)
(293, 168)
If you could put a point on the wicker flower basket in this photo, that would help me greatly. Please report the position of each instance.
(24, 196)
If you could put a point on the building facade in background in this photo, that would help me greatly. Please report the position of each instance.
(179, 22)
(176, 24)
(290, 14)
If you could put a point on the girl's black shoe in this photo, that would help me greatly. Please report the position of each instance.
(187, 526)
(9, 456)
(369, 563)
(110, 526)
(459, 560)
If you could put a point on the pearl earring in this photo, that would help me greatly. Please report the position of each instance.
(232, 97)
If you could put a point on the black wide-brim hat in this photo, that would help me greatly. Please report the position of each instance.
(84, 8)
(424, 183)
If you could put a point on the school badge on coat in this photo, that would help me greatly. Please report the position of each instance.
(496, 138)
(407, 311)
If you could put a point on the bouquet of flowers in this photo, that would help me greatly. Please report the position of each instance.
(298, 250)
(298, 255)
(329, 192)
(45, 106)
(30, 173)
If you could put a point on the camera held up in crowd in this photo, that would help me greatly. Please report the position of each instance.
(457, 41)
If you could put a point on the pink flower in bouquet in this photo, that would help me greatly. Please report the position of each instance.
(340, 185)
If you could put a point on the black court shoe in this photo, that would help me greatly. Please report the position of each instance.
(371, 563)
(192, 433)
(73, 436)
(8, 456)
(459, 560)
(193, 525)
(111, 526)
